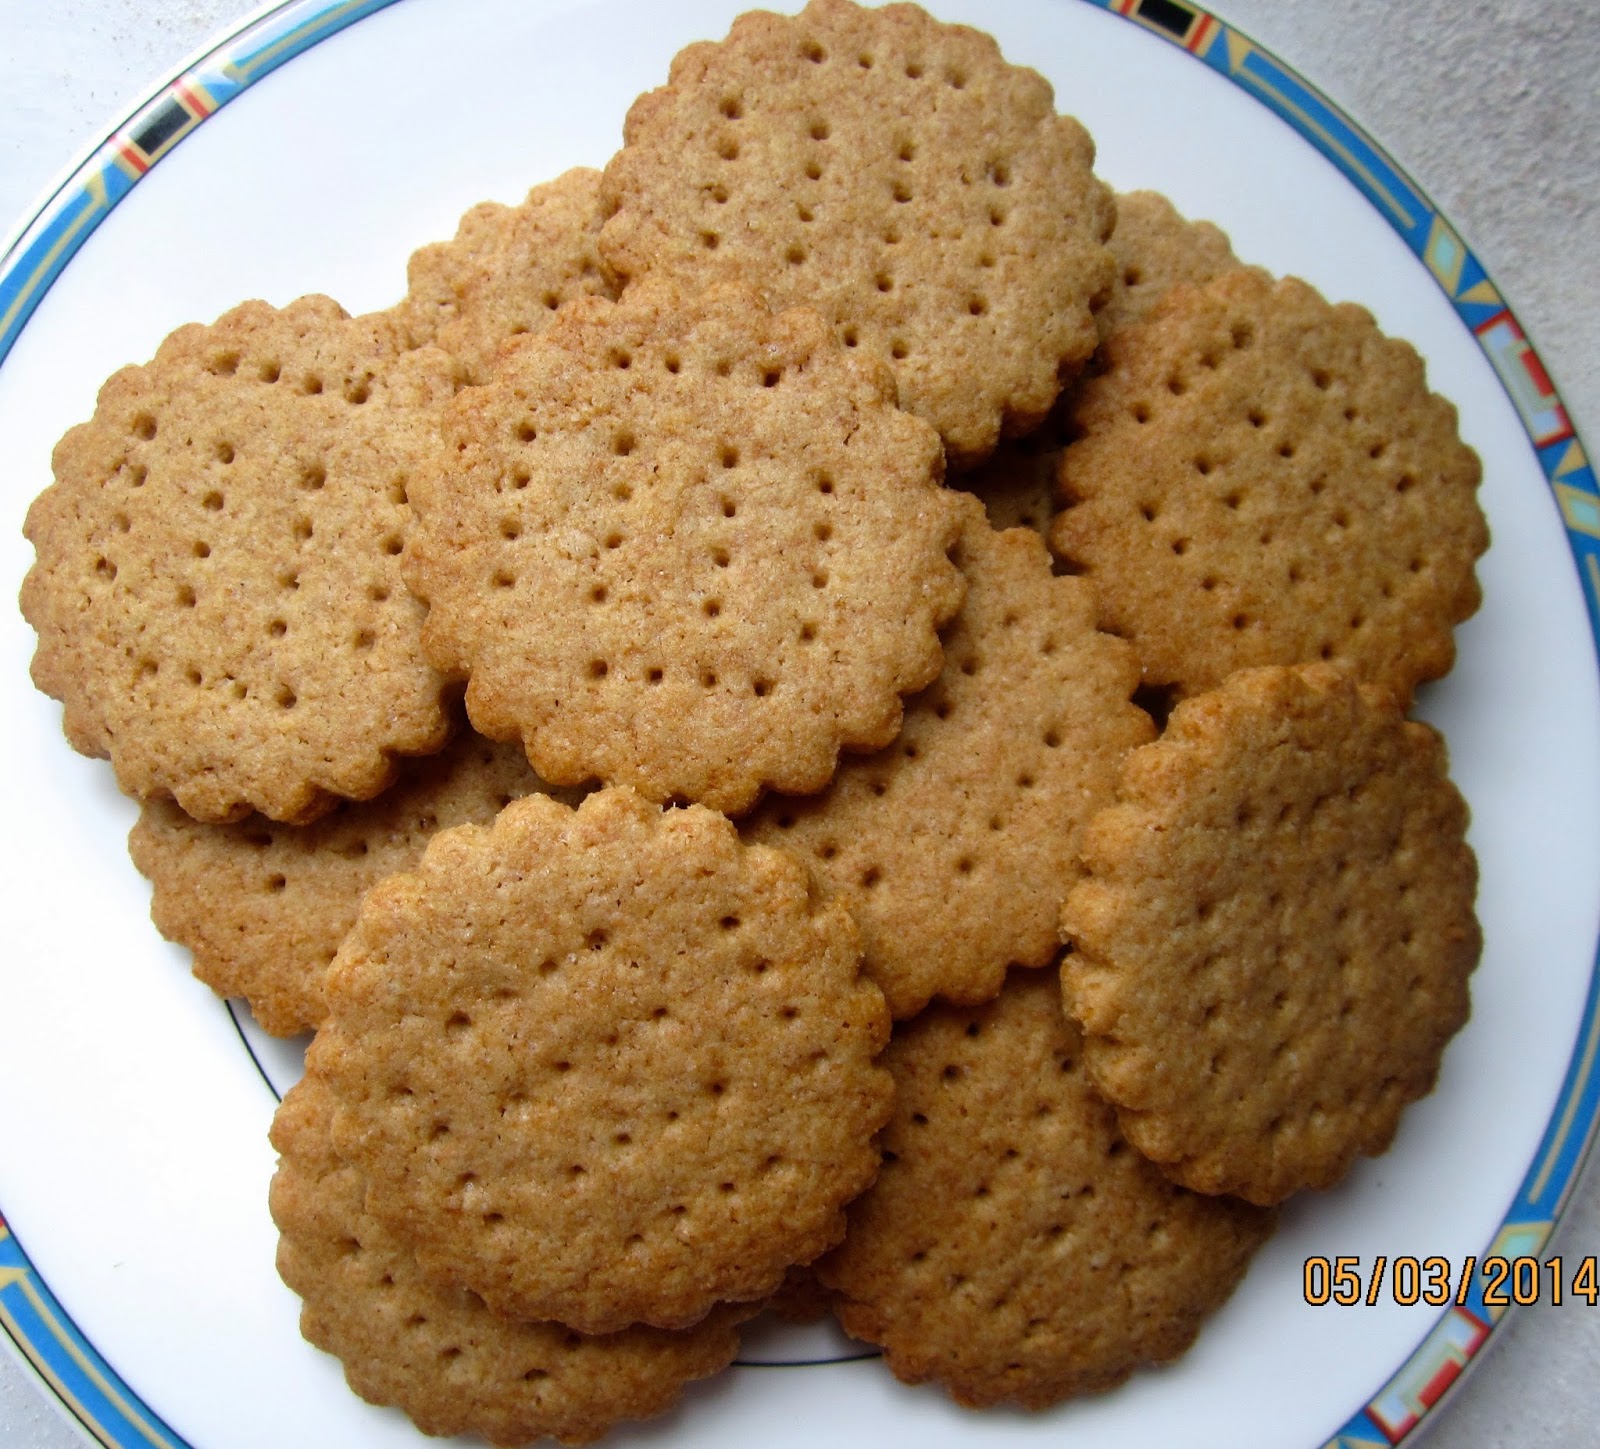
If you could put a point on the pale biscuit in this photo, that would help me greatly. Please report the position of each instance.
(682, 544)
(1264, 478)
(264, 906)
(217, 592)
(1273, 944)
(605, 1066)
(1014, 1247)
(453, 1365)
(506, 271)
(896, 174)
(954, 848)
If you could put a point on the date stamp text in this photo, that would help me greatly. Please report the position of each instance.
(1441, 1281)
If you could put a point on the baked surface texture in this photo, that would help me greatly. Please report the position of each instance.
(954, 847)
(683, 544)
(605, 1066)
(453, 1365)
(1273, 944)
(217, 591)
(1155, 247)
(898, 175)
(1262, 477)
(506, 271)
(1017, 482)
(264, 906)
(1014, 1247)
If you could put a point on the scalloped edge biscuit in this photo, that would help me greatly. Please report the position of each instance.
(450, 1363)
(1272, 947)
(683, 544)
(217, 591)
(954, 847)
(605, 1066)
(1014, 1248)
(1262, 477)
(263, 906)
(963, 243)
(507, 270)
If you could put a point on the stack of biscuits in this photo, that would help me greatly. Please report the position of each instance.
(653, 701)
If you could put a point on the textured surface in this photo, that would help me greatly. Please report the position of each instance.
(264, 906)
(801, 1298)
(1263, 478)
(954, 847)
(681, 544)
(607, 1066)
(1017, 482)
(506, 271)
(896, 174)
(1014, 1247)
(441, 1355)
(1273, 943)
(1513, 80)
(1495, 113)
(217, 590)
(1154, 247)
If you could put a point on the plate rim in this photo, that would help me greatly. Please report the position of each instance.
(42, 1334)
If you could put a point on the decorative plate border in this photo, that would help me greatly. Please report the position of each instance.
(33, 262)
(47, 1338)
(109, 1411)
(1463, 1328)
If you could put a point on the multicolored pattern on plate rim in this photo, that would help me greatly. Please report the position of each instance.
(110, 1411)
(107, 1408)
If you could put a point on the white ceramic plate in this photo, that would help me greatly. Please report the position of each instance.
(133, 1152)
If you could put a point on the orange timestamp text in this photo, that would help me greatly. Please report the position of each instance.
(1439, 1281)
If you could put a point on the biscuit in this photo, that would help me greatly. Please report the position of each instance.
(507, 271)
(1014, 1248)
(1273, 942)
(1155, 248)
(439, 1354)
(217, 591)
(1263, 478)
(264, 906)
(685, 545)
(896, 174)
(800, 1297)
(605, 1066)
(1017, 482)
(954, 848)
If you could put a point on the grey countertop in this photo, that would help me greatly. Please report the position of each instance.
(1492, 109)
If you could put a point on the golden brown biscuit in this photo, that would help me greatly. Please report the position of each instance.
(453, 1365)
(1014, 1247)
(1017, 482)
(894, 173)
(1273, 944)
(801, 1298)
(954, 848)
(1264, 478)
(217, 592)
(683, 544)
(507, 271)
(605, 1066)
(1155, 248)
(264, 906)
